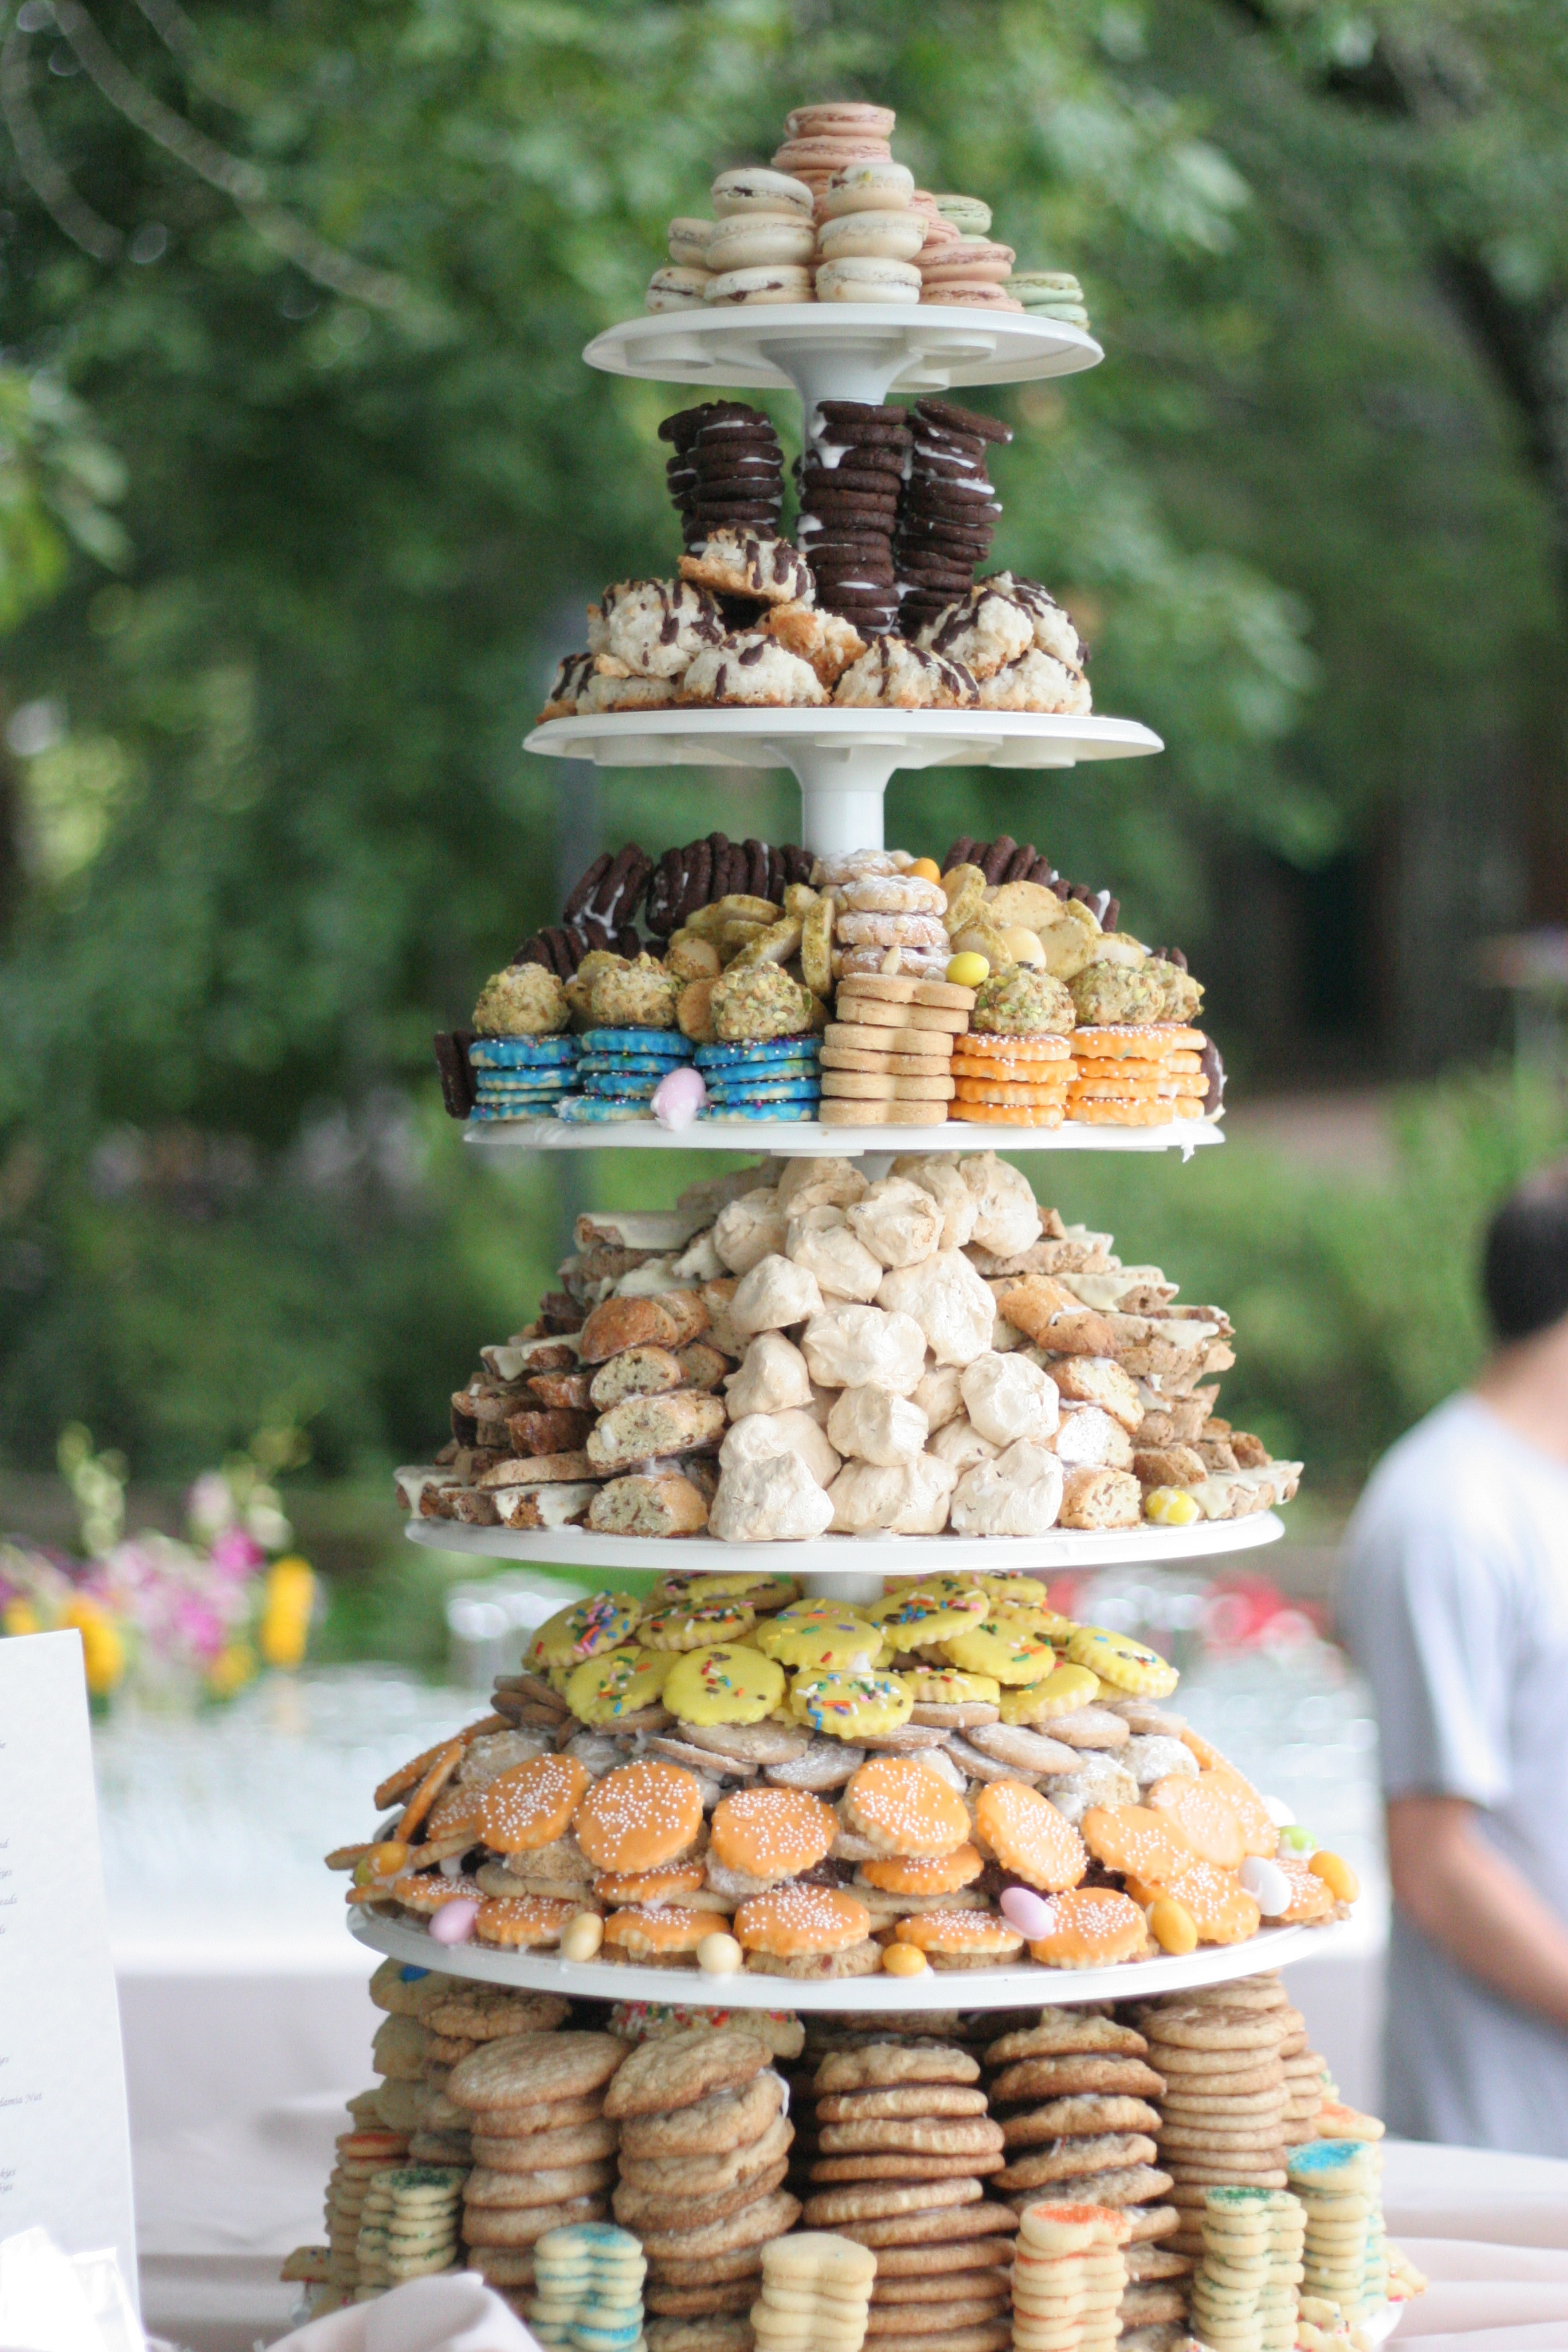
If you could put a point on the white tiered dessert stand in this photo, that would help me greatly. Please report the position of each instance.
(843, 760)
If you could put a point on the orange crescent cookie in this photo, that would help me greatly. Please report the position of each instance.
(924, 1873)
(772, 1833)
(651, 1885)
(1208, 1756)
(1001, 1089)
(1309, 1898)
(796, 1919)
(899, 1805)
(1200, 1807)
(1257, 1827)
(408, 1776)
(1095, 1928)
(532, 1805)
(639, 1816)
(429, 1788)
(1221, 1910)
(1012, 1114)
(1027, 1835)
(1138, 1842)
(522, 1921)
(1145, 1041)
(432, 1890)
(960, 1940)
(635, 1935)
(981, 1045)
(1093, 1110)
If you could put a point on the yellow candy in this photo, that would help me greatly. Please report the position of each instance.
(968, 971)
(603, 1621)
(719, 1954)
(926, 868)
(906, 1960)
(1173, 1927)
(1171, 1507)
(616, 1683)
(840, 1643)
(727, 1682)
(582, 1937)
(1007, 1649)
(384, 1861)
(1336, 1874)
(1063, 1691)
(848, 1706)
(1126, 1665)
(945, 1686)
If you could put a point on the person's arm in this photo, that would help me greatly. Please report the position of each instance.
(1475, 1907)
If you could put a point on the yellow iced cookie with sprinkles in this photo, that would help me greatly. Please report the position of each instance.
(842, 1644)
(1007, 1649)
(911, 1618)
(753, 1587)
(616, 1683)
(605, 1620)
(850, 1706)
(775, 1633)
(724, 1682)
(1125, 1664)
(690, 1625)
(945, 1686)
(1063, 1690)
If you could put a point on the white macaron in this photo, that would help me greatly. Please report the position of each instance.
(689, 242)
(872, 187)
(865, 280)
(873, 237)
(760, 241)
(756, 189)
(677, 289)
(779, 285)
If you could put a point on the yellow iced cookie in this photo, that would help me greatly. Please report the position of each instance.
(724, 1682)
(774, 1633)
(1125, 1664)
(842, 1644)
(753, 1587)
(946, 1583)
(690, 1625)
(945, 1686)
(603, 1621)
(1171, 1507)
(1007, 1649)
(918, 1615)
(616, 1683)
(850, 1706)
(1064, 1689)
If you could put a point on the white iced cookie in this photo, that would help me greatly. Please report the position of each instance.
(773, 1501)
(867, 282)
(753, 240)
(878, 185)
(1037, 682)
(750, 1228)
(1089, 1438)
(820, 1240)
(889, 894)
(751, 668)
(625, 694)
(658, 626)
(1008, 1222)
(1054, 631)
(898, 1222)
(952, 1196)
(985, 632)
(846, 864)
(848, 1346)
(911, 1499)
(940, 1396)
(895, 676)
(892, 930)
(773, 1294)
(763, 1435)
(819, 1183)
(960, 1442)
(781, 282)
(676, 287)
(874, 1425)
(773, 1379)
(948, 1299)
(871, 236)
(755, 189)
(1010, 1397)
(1017, 1494)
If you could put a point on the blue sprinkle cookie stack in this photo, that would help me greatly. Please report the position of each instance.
(521, 1077)
(589, 2278)
(618, 1072)
(768, 1079)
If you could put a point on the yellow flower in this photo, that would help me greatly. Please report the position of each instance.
(103, 1651)
(231, 1669)
(20, 1617)
(291, 1594)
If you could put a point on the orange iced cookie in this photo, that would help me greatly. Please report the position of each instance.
(445, 1763)
(984, 1046)
(1096, 1111)
(899, 1805)
(1200, 1807)
(657, 1934)
(522, 1922)
(639, 1816)
(432, 1890)
(773, 1834)
(1011, 1114)
(1256, 1826)
(532, 1804)
(1028, 1835)
(793, 1921)
(1006, 1090)
(617, 1886)
(1136, 1841)
(960, 1940)
(1221, 1910)
(1309, 1897)
(906, 1874)
(1095, 1927)
(1142, 1041)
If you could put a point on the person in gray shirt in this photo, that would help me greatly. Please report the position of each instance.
(1456, 1607)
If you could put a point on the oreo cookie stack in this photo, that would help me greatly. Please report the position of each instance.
(850, 476)
(948, 513)
(727, 470)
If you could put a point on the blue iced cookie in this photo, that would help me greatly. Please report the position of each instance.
(591, 2336)
(587, 1110)
(521, 1098)
(792, 1091)
(783, 1112)
(520, 1053)
(623, 1089)
(514, 1110)
(639, 1066)
(669, 1043)
(772, 1073)
(761, 1049)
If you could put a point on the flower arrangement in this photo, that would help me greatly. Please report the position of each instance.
(165, 1618)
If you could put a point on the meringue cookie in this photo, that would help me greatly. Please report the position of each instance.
(899, 1223)
(948, 1299)
(773, 1294)
(876, 1426)
(850, 1347)
(773, 1501)
(762, 1436)
(1018, 1494)
(1010, 1398)
(773, 1379)
(750, 1228)
(911, 1499)
(1009, 1218)
(820, 1240)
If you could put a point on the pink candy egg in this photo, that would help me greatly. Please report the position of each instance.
(678, 1098)
(1031, 1915)
(454, 1923)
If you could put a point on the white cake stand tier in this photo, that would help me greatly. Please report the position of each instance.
(841, 759)
(807, 1139)
(1013, 1987)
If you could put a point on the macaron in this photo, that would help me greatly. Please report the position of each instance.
(868, 280)
(677, 289)
(689, 242)
(970, 216)
(872, 186)
(973, 258)
(839, 117)
(965, 294)
(867, 236)
(755, 189)
(760, 241)
(782, 283)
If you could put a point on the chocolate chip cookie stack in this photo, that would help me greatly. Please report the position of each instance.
(1223, 2112)
(850, 476)
(704, 2151)
(543, 2150)
(904, 2146)
(727, 470)
(1074, 2096)
(948, 512)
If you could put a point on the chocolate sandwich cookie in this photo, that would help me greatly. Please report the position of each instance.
(456, 1075)
(948, 416)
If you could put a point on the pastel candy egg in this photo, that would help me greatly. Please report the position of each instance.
(454, 1923)
(719, 1954)
(1173, 1927)
(582, 1937)
(903, 1960)
(1336, 1874)
(967, 971)
(678, 1098)
(1268, 1886)
(1279, 1813)
(1033, 1916)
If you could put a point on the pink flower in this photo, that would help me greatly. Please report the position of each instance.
(235, 1554)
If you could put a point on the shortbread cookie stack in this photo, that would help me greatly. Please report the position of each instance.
(903, 2149)
(544, 2151)
(1075, 2095)
(727, 472)
(704, 2153)
(1243, 2293)
(1069, 2278)
(948, 512)
(1222, 2114)
(816, 2294)
(888, 1059)
(1136, 1075)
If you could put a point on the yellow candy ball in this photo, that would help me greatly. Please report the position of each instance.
(969, 970)
(582, 1937)
(1336, 1874)
(720, 1955)
(903, 1960)
(388, 1858)
(927, 869)
(1173, 1927)
(1169, 1506)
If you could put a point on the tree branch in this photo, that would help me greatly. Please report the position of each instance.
(43, 174)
